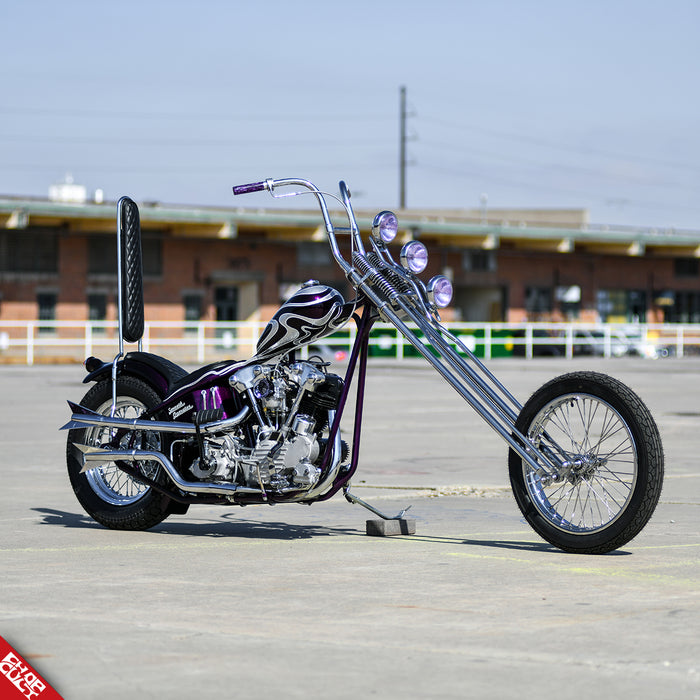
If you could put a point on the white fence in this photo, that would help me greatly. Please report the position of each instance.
(30, 342)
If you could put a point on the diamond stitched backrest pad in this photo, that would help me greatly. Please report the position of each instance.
(132, 271)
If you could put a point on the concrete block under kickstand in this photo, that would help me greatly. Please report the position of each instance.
(387, 528)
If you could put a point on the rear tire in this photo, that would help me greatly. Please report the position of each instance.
(109, 495)
(613, 459)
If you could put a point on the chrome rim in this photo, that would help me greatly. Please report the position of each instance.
(109, 482)
(598, 459)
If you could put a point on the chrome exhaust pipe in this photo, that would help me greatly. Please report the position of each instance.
(83, 417)
(93, 457)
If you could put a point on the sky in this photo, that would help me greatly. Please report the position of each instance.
(587, 104)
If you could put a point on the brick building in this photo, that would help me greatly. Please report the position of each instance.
(58, 262)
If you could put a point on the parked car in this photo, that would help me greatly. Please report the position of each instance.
(328, 353)
(544, 344)
(650, 350)
(593, 343)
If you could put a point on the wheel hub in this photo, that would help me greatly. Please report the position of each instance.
(581, 468)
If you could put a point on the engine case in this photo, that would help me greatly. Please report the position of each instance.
(279, 448)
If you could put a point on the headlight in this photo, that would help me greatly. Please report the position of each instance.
(414, 257)
(440, 291)
(384, 227)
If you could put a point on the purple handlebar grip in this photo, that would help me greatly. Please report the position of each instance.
(251, 187)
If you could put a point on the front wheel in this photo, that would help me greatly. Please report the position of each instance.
(112, 497)
(610, 463)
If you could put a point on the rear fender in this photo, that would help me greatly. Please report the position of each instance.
(137, 368)
(146, 371)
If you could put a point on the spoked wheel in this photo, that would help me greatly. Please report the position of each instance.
(112, 497)
(610, 459)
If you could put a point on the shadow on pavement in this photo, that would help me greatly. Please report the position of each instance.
(536, 546)
(226, 527)
(231, 526)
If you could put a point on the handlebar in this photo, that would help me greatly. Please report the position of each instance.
(272, 185)
(250, 187)
(359, 270)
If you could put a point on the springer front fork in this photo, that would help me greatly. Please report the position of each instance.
(467, 375)
(473, 381)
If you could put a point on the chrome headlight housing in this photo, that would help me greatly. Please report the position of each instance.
(385, 227)
(414, 257)
(440, 291)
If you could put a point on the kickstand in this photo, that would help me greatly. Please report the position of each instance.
(351, 498)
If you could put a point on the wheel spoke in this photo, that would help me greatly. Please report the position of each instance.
(597, 444)
(108, 481)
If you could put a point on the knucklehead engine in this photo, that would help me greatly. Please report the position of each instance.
(281, 446)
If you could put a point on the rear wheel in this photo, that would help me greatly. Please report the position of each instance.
(611, 463)
(109, 495)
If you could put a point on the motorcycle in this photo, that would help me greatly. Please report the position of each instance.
(150, 439)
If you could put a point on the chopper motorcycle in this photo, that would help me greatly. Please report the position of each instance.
(150, 439)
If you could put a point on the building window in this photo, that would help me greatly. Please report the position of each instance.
(685, 309)
(152, 247)
(102, 255)
(569, 300)
(610, 303)
(226, 300)
(97, 309)
(686, 267)
(193, 306)
(621, 305)
(538, 299)
(29, 251)
(312, 254)
(46, 302)
(479, 261)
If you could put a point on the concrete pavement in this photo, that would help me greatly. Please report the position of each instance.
(296, 601)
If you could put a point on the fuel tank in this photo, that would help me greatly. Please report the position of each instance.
(311, 313)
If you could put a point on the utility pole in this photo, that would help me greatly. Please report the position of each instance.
(402, 148)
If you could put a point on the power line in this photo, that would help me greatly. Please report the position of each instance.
(200, 116)
(174, 168)
(529, 185)
(155, 141)
(536, 141)
(566, 167)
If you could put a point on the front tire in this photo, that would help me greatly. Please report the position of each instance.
(109, 495)
(611, 458)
